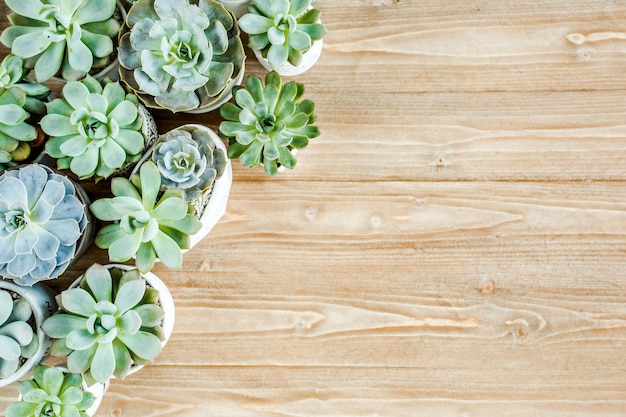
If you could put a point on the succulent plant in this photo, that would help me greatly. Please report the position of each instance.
(41, 221)
(108, 323)
(95, 128)
(267, 122)
(70, 37)
(12, 74)
(282, 29)
(17, 339)
(189, 160)
(15, 130)
(144, 227)
(51, 392)
(180, 54)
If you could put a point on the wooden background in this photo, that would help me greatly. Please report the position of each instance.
(453, 244)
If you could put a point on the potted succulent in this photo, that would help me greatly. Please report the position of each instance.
(268, 123)
(285, 35)
(183, 55)
(145, 226)
(63, 38)
(112, 321)
(55, 392)
(13, 74)
(44, 223)
(24, 344)
(96, 129)
(192, 159)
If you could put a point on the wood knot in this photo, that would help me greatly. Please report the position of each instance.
(488, 287)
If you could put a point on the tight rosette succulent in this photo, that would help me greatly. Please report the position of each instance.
(108, 323)
(267, 121)
(12, 74)
(282, 29)
(51, 392)
(144, 226)
(15, 130)
(95, 129)
(189, 160)
(60, 36)
(17, 339)
(180, 54)
(41, 222)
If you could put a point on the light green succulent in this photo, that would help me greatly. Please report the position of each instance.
(17, 339)
(95, 129)
(109, 323)
(180, 54)
(267, 122)
(61, 36)
(12, 74)
(15, 130)
(144, 227)
(282, 29)
(51, 392)
(189, 160)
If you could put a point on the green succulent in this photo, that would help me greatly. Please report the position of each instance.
(108, 323)
(180, 54)
(144, 227)
(61, 36)
(282, 29)
(15, 129)
(51, 392)
(95, 128)
(267, 122)
(12, 74)
(17, 339)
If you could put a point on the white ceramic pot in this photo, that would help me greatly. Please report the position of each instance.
(309, 58)
(226, 97)
(41, 300)
(238, 7)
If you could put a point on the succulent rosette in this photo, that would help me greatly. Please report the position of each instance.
(12, 74)
(41, 221)
(16, 335)
(15, 129)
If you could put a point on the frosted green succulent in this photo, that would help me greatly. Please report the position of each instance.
(51, 392)
(110, 322)
(144, 227)
(12, 74)
(41, 222)
(267, 122)
(95, 129)
(15, 129)
(17, 339)
(189, 160)
(282, 29)
(61, 36)
(180, 54)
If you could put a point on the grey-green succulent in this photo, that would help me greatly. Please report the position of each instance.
(144, 227)
(41, 222)
(267, 121)
(17, 339)
(111, 321)
(60, 36)
(189, 160)
(16, 128)
(180, 54)
(282, 29)
(51, 392)
(95, 128)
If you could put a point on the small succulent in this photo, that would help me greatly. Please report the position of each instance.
(282, 29)
(17, 338)
(15, 130)
(180, 54)
(144, 227)
(95, 128)
(41, 221)
(267, 122)
(51, 392)
(189, 160)
(108, 323)
(12, 74)
(70, 37)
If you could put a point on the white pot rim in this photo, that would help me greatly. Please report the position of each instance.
(309, 58)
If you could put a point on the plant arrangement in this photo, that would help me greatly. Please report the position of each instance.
(61, 37)
(51, 392)
(181, 55)
(17, 337)
(146, 226)
(42, 222)
(95, 128)
(267, 122)
(282, 30)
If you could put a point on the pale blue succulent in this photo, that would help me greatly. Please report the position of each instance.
(17, 339)
(41, 221)
(189, 160)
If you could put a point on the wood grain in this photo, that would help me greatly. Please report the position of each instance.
(453, 244)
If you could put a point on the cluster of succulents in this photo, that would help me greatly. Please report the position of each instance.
(17, 337)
